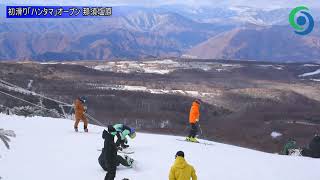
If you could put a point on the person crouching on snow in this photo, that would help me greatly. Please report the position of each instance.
(121, 132)
(109, 159)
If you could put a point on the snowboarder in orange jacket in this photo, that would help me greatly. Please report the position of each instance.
(193, 120)
(80, 110)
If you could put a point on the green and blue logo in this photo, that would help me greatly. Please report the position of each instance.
(298, 20)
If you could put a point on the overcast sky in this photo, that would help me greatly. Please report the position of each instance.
(192, 3)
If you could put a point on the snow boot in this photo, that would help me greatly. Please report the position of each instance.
(86, 130)
(129, 160)
(76, 129)
(193, 140)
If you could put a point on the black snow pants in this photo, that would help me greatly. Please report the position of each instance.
(111, 171)
(193, 130)
(122, 161)
(111, 174)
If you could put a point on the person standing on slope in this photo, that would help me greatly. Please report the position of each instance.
(181, 170)
(108, 159)
(121, 132)
(80, 110)
(193, 120)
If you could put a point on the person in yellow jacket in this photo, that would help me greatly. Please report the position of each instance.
(193, 120)
(181, 170)
(80, 110)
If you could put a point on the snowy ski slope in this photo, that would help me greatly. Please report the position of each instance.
(48, 149)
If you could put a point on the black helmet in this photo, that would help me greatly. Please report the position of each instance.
(179, 153)
(111, 129)
(197, 101)
(83, 99)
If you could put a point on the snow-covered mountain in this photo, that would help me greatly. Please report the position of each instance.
(48, 149)
(143, 32)
(274, 43)
(237, 14)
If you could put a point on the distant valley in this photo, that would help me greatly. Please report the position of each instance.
(244, 101)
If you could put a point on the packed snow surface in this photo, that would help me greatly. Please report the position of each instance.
(47, 148)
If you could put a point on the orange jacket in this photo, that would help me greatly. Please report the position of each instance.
(78, 108)
(194, 113)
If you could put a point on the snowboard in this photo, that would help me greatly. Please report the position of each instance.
(199, 142)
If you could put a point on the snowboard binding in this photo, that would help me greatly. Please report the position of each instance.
(129, 160)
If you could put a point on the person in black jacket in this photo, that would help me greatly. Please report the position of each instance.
(108, 159)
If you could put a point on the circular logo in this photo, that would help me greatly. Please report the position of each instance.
(298, 19)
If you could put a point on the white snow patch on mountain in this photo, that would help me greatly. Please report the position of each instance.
(310, 73)
(165, 61)
(47, 148)
(161, 66)
(278, 67)
(220, 70)
(303, 123)
(275, 134)
(156, 71)
(310, 65)
(155, 67)
(150, 90)
(231, 65)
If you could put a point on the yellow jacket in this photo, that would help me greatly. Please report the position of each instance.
(181, 170)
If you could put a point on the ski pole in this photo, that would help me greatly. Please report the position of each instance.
(200, 130)
(95, 120)
(186, 128)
